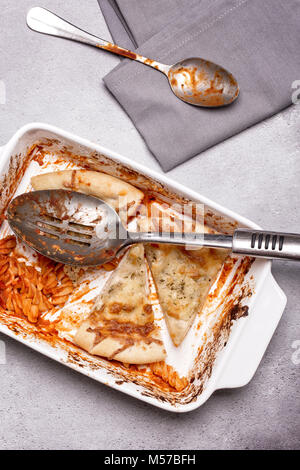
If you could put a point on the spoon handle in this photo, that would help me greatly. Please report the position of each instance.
(191, 239)
(43, 21)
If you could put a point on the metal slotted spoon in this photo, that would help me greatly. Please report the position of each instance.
(195, 81)
(77, 229)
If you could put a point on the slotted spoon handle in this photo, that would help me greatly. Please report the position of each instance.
(247, 242)
(259, 243)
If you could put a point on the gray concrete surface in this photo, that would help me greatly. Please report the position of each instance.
(44, 405)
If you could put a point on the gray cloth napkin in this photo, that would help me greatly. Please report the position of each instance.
(257, 40)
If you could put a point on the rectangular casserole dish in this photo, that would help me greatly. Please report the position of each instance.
(246, 339)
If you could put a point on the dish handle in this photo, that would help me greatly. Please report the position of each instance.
(256, 335)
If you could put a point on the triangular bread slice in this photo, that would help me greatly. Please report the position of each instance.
(122, 327)
(182, 277)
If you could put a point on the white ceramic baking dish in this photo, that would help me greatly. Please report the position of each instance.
(236, 363)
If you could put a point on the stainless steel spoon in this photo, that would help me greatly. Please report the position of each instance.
(74, 228)
(195, 81)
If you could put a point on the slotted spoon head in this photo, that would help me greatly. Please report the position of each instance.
(67, 226)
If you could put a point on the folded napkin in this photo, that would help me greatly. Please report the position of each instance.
(257, 40)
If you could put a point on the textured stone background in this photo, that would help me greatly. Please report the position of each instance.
(44, 405)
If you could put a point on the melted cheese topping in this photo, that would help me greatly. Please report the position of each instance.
(183, 278)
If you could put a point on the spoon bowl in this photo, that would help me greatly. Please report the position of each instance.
(66, 226)
(202, 83)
